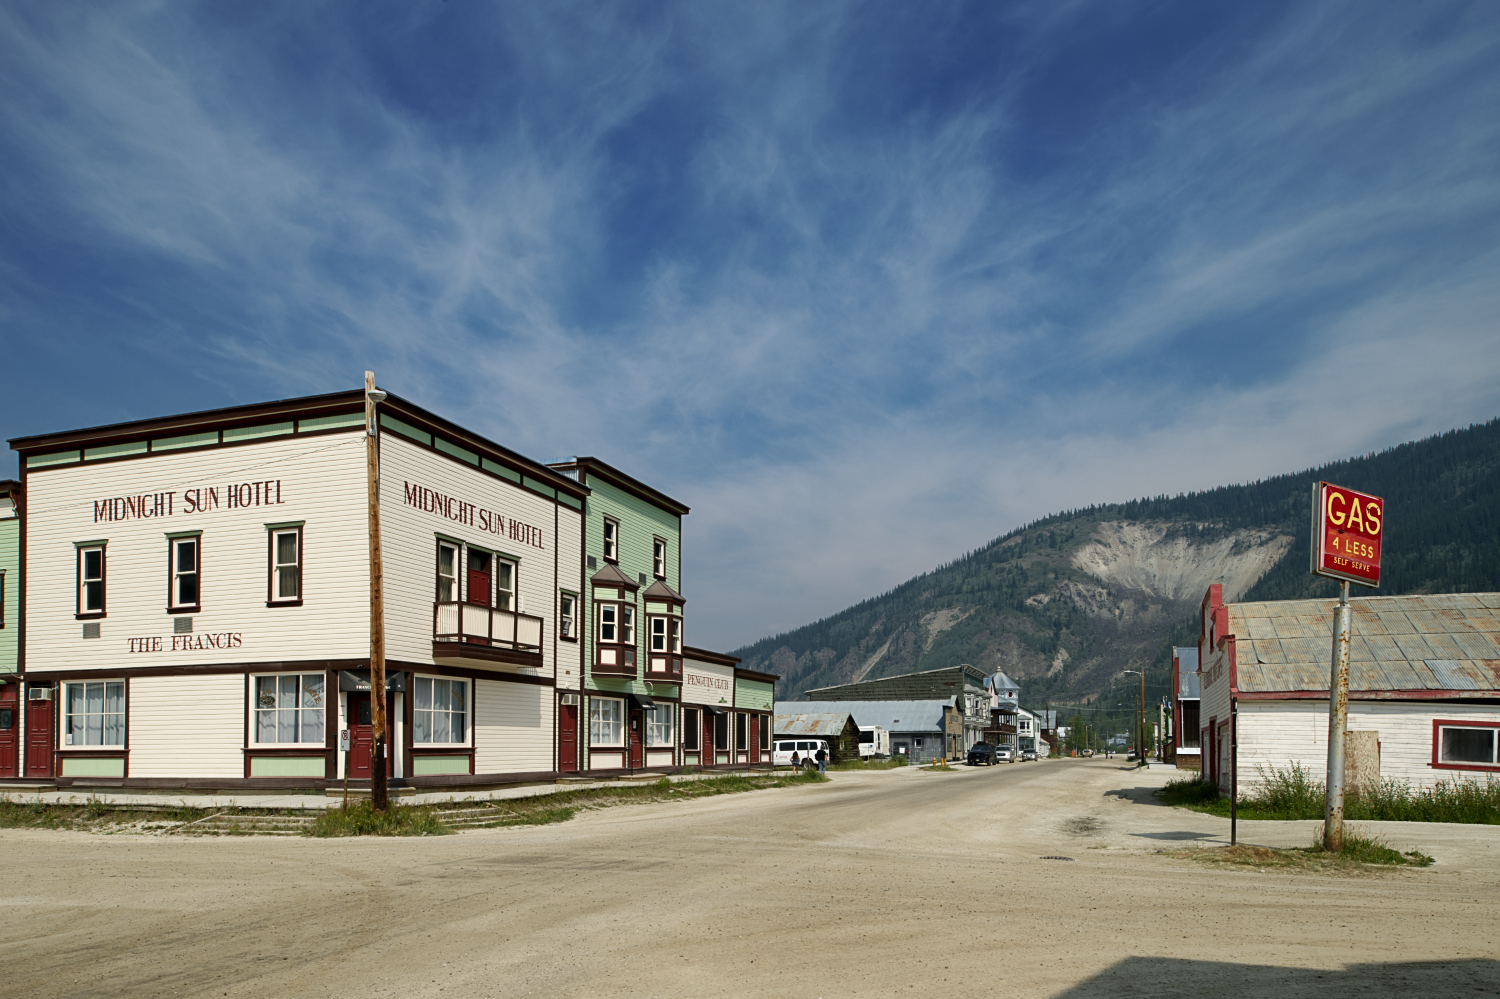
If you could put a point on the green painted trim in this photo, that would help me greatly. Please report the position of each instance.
(253, 433)
(186, 534)
(500, 470)
(287, 766)
(405, 429)
(93, 766)
(115, 450)
(286, 526)
(187, 440)
(690, 759)
(333, 422)
(754, 694)
(57, 458)
(91, 544)
(455, 451)
(538, 487)
(436, 766)
(572, 501)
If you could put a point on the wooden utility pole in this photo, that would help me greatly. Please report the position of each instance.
(378, 796)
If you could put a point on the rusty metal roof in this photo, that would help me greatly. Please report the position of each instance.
(828, 725)
(1437, 642)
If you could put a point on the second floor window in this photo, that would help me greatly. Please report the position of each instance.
(659, 558)
(617, 624)
(565, 605)
(666, 635)
(611, 540)
(505, 585)
(184, 572)
(286, 564)
(91, 581)
(447, 573)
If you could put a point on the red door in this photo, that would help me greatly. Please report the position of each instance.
(755, 738)
(567, 739)
(637, 721)
(9, 727)
(479, 578)
(362, 739)
(38, 738)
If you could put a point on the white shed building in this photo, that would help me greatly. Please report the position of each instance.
(1424, 687)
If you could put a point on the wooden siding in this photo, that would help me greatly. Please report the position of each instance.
(1278, 733)
(10, 564)
(570, 577)
(705, 683)
(189, 726)
(409, 546)
(321, 482)
(513, 727)
(753, 694)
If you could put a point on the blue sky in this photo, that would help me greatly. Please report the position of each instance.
(864, 284)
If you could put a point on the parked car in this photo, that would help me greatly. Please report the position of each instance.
(1028, 756)
(806, 750)
(1004, 754)
(981, 753)
(1085, 752)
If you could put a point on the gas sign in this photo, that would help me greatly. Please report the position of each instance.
(1347, 532)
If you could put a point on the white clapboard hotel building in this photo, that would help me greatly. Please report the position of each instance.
(196, 610)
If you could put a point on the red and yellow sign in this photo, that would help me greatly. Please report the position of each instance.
(1347, 531)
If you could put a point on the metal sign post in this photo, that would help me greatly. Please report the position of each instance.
(1347, 538)
(345, 745)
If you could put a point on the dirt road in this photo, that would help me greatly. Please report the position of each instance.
(877, 884)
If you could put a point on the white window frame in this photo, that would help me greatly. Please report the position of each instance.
(1442, 726)
(661, 726)
(452, 579)
(84, 581)
(659, 557)
(177, 573)
(106, 689)
(627, 624)
(674, 635)
(506, 597)
(467, 714)
(257, 712)
(658, 633)
(273, 593)
(612, 611)
(611, 539)
(567, 616)
(607, 727)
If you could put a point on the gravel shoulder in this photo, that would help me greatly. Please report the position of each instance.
(872, 884)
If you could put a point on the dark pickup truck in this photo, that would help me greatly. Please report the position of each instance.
(981, 753)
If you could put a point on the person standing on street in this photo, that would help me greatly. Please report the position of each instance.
(796, 763)
(822, 759)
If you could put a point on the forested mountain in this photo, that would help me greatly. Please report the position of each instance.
(1066, 603)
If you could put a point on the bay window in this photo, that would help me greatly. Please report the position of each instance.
(617, 623)
(290, 708)
(440, 712)
(666, 635)
(94, 713)
(659, 725)
(606, 721)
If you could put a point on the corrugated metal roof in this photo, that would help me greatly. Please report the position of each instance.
(1448, 641)
(829, 724)
(895, 716)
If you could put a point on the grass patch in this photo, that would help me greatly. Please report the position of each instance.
(1361, 855)
(92, 815)
(361, 819)
(1295, 793)
(889, 764)
(939, 766)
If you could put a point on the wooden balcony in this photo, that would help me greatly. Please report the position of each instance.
(470, 635)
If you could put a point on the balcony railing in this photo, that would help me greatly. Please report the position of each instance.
(471, 624)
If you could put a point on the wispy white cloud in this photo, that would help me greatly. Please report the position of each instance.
(842, 313)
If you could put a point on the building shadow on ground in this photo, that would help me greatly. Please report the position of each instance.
(1168, 978)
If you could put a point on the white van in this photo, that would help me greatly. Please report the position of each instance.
(874, 742)
(806, 750)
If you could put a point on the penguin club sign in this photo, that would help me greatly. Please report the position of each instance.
(1347, 534)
